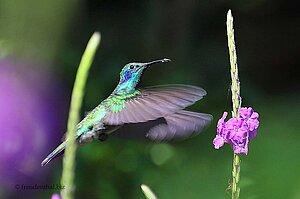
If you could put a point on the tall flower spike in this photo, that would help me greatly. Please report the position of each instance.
(240, 129)
(236, 100)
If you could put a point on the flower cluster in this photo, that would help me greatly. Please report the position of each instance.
(237, 131)
(55, 196)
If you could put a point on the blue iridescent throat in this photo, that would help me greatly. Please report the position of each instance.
(128, 82)
(127, 76)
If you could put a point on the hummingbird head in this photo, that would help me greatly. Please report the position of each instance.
(131, 75)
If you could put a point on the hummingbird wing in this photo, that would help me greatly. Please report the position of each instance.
(175, 126)
(150, 103)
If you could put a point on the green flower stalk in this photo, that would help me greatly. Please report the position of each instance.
(148, 192)
(76, 101)
(239, 130)
(236, 100)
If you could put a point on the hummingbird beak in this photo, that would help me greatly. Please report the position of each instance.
(156, 62)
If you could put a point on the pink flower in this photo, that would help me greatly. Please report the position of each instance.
(55, 196)
(218, 141)
(237, 131)
(250, 117)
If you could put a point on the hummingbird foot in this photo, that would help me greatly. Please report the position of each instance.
(86, 137)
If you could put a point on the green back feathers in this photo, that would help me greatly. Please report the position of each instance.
(115, 103)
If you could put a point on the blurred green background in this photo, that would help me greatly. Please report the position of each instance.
(41, 43)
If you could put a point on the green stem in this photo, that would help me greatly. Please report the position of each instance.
(148, 192)
(236, 100)
(76, 101)
(235, 177)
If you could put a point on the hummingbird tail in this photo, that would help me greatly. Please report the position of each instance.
(54, 153)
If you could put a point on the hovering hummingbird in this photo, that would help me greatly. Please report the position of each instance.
(154, 113)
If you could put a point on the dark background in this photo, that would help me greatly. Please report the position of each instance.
(41, 43)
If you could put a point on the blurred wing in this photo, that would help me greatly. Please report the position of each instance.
(151, 103)
(176, 126)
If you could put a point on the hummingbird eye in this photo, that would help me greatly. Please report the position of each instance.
(131, 66)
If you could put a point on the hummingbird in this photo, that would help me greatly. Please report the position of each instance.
(155, 113)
